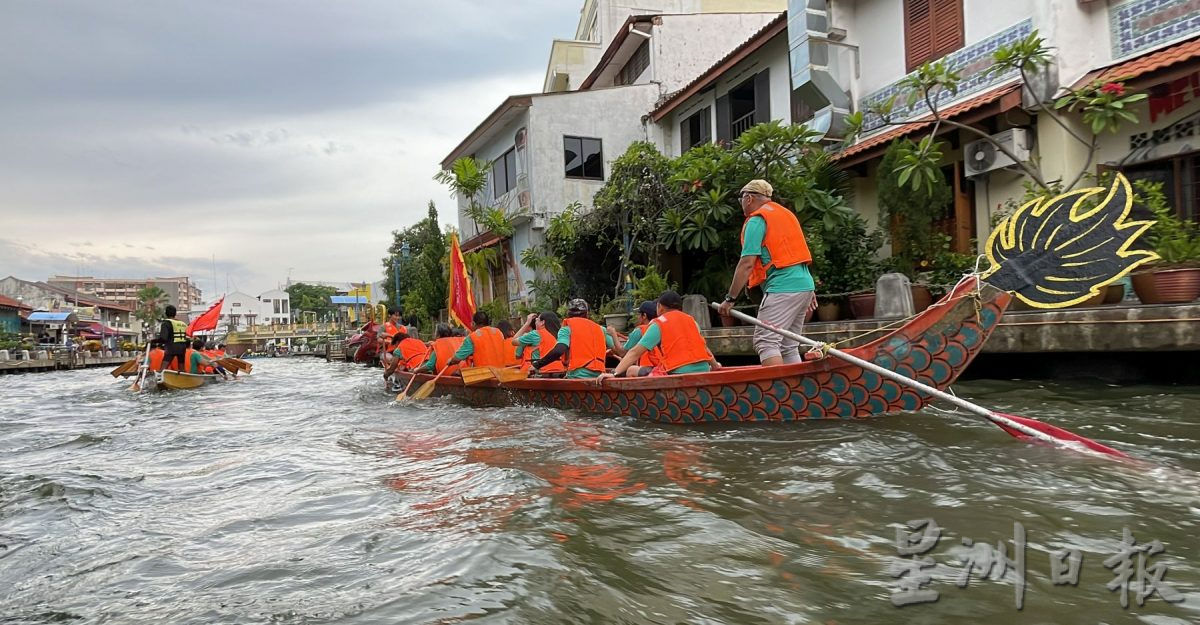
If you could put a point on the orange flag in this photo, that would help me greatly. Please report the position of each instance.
(207, 321)
(462, 302)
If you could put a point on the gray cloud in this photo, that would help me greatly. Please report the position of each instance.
(269, 134)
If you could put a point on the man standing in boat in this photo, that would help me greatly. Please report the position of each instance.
(775, 256)
(172, 333)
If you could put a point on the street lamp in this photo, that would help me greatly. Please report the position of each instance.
(396, 264)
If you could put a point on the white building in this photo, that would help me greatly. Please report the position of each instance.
(551, 150)
(1151, 44)
(241, 311)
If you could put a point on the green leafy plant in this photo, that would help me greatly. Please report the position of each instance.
(848, 264)
(911, 211)
(1175, 240)
(649, 283)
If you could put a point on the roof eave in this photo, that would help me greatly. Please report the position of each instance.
(511, 102)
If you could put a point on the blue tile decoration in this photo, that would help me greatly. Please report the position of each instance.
(971, 61)
(1139, 25)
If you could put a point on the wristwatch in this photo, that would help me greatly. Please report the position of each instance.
(730, 298)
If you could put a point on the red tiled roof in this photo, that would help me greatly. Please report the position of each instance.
(8, 302)
(1007, 97)
(1154, 61)
(735, 56)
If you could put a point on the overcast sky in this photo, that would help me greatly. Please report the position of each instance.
(150, 138)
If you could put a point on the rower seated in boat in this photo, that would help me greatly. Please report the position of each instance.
(647, 311)
(676, 335)
(197, 362)
(445, 344)
(483, 347)
(156, 354)
(408, 353)
(538, 336)
(581, 341)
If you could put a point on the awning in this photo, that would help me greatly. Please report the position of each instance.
(52, 317)
(97, 329)
(480, 241)
(1147, 64)
(982, 106)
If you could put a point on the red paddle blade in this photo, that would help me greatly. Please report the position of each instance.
(1056, 433)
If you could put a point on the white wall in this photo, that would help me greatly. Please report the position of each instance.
(773, 56)
(502, 140)
(611, 115)
(240, 304)
(684, 46)
(267, 308)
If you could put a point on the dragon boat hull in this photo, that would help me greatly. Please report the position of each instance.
(175, 380)
(934, 347)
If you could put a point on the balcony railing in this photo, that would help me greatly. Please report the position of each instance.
(741, 124)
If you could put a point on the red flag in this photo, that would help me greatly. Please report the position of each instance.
(462, 300)
(207, 321)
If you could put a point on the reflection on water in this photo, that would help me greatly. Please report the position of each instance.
(303, 494)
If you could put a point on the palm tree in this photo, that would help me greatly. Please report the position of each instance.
(151, 301)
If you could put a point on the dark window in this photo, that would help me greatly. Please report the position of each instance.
(932, 29)
(746, 105)
(696, 129)
(635, 65)
(1180, 178)
(583, 158)
(504, 173)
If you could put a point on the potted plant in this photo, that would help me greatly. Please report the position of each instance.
(847, 268)
(911, 210)
(1175, 277)
(616, 312)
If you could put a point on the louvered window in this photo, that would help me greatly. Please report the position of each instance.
(932, 29)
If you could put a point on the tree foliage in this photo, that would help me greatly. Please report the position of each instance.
(423, 273)
(151, 302)
(314, 297)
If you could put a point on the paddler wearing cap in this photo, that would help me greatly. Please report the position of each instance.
(775, 256)
(647, 311)
(582, 341)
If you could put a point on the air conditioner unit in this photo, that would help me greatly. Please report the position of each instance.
(982, 156)
(538, 222)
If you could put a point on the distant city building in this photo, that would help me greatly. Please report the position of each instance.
(89, 314)
(181, 291)
(242, 311)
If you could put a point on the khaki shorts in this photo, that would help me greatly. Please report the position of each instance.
(785, 311)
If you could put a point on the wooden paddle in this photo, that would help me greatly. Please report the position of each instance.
(475, 375)
(403, 394)
(124, 368)
(426, 389)
(137, 384)
(1016, 426)
(508, 374)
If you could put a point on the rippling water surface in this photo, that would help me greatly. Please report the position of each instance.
(303, 494)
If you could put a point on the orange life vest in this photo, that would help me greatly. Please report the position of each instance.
(548, 341)
(156, 358)
(444, 348)
(413, 352)
(681, 342)
(187, 360)
(784, 241)
(489, 347)
(391, 329)
(651, 357)
(510, 354)
(208, 353)
(587, 347)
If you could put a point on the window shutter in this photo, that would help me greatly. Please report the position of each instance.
(685, 138)
(947, 27)
(918, 32)
(724, 123)
(762, 97)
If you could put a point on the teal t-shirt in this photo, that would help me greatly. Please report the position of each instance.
(564, 337)
(634, 337)
(654, 337)
(466, 349)
(794, 279)
(430, 365)
(532, 341)
(197, 360)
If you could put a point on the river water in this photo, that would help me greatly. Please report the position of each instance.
(303, 494)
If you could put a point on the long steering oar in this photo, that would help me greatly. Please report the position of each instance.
(137, 384)
(1019, 427)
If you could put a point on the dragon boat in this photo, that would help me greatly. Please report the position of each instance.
(169, 380)
(1050, 253)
